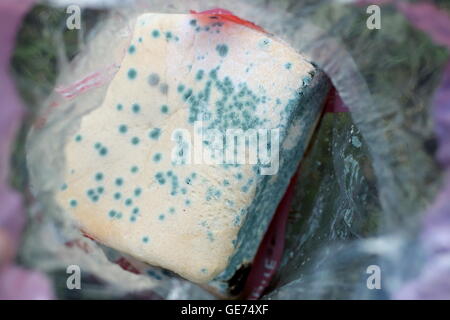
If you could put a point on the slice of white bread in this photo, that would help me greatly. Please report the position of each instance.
(128, 185)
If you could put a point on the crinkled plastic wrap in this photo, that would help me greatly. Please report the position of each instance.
(361, 190)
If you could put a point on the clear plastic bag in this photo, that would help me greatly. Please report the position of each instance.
(360, 195)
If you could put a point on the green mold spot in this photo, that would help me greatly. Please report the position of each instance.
(288, 65)
(155, 133)
(135, 141)
(132, 49)
(156, 33)
(157, 157)
(136, 108)
(73, 203)
(119, 182)
(180, 88)
(128, 202)
(199, 75)
(213, 74)
(103, 151)
(137, 192)
(119, 107)
(145, 239)
(187, 94)
(153, 79)
(193, 22)
(161, 217)
(78, 138)
(117, 195)
(164, 109)
(123, 128)
(264, 43)
(160, 178)
(222, 50)
(132, 74)
(134, 169)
